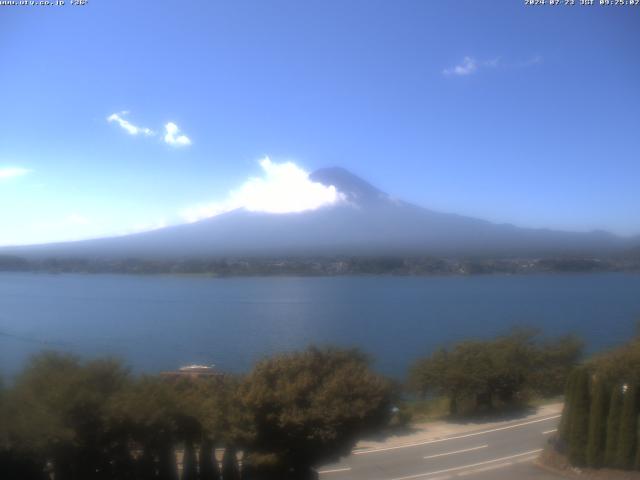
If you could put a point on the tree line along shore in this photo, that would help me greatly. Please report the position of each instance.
(67, 418)
(325, 266)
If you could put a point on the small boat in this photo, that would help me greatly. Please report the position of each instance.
(194, 371)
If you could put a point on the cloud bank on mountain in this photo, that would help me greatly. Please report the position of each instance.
(282, 188)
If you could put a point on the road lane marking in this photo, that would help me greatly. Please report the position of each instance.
(547, 432)
(334, 470)
(485, 469)
(429, 442)
(526, 459)
(494, 467)
(457, 451)
(464, 467)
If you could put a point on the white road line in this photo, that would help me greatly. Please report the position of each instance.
(334, 470)
(457, 451)
(526, 459)
(547, 432)
(494, 467)
(464, 467)
(485, 469)
(429, 442)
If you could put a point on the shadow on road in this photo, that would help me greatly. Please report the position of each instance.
(493, 416)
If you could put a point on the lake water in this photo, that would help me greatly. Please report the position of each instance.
(162, 322)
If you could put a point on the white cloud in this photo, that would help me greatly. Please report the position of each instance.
(200, 212)
(466, 67)
(494, 62)
(147, 226)
(12, 172)
(535, 60)
(127, 125)
(172, 136)
(470, 65)
(283, 188)
(77, 219)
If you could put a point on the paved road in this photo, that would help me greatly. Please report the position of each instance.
(504, 452)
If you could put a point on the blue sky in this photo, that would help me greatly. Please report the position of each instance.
(528, 115)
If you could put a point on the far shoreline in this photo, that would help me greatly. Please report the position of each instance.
(309, 267)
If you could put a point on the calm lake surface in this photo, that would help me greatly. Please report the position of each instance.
(162, 322)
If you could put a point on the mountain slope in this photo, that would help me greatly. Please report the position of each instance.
(368, 222)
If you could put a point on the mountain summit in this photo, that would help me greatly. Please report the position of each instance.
(355, 189)
(366, 222)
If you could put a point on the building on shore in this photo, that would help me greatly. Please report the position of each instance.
(194, 371)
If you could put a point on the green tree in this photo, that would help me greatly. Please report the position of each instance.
(16, 462)
(636, 463)
(149, 412)
(432, 375)
(463, 375)
(498, 372)
(579, 427)
(613, 426)
(216, 406)
(555, 360)
(597, 424)
(625, 455)
(58, 408)
(565, 422)
(311, 407)
(621, 365)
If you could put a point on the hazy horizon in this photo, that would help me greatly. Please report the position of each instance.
(265, 195)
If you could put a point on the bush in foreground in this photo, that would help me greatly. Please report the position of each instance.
(482, 375)
(311, 407)
(93, 420)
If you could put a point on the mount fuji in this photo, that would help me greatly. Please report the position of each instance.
(365, 222)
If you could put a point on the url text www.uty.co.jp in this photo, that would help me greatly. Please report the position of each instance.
(42, 3)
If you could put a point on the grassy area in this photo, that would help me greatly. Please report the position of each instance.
(541, 402)
(437, 408)
(425, 410)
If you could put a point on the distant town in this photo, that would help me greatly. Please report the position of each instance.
(324, 266)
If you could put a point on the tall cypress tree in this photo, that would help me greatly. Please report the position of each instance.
(636, 465)
(565, 421)
(597, 424)
(579, 426)
(613, 426)
(625, 456)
